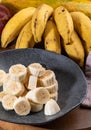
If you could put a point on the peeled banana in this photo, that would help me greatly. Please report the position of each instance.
(15, 24)
(82, 25)
(25, 38)
(35, 107)
(64, 23)
(51, 107)
(39, 20)
(2, 76)
(52, 38)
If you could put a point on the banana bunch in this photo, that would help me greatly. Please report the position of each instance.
(28, 89)
(60, 29)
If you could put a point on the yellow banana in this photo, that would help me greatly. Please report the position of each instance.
(64, 23)
(82, 25)
(52, 38)
(25, 38)
(78, 6)
(39, 20)
(75, 49)
(15, 24)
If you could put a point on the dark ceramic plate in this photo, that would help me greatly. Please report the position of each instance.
(72, 83)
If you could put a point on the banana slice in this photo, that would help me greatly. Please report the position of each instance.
(38, 95)
(51, 107)
(22, 106)
(54, 96)
(14, 88)
(5, 81)
(2, 94)
(36, 69)
(2, 75)
(35, 107)
(47, 79)
(32, 82)
(18, 72)
(8, 102)
(53, 88)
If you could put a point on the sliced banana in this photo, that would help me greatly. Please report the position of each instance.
(32, 82)
(54, 96)
(22, 106)
(36, 69)
(2, 75)
(8, 102)
(35, 107)
(47, 79)
(18, 72)
(38, 95)
(14, 88)
(5, 81)
(51, 107)
(2, 94)
(53, 88)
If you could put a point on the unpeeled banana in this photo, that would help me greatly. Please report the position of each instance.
(82, 25)
(15, 24)
(25, 38)
(39, 20)
(52, 40)
(64, 23)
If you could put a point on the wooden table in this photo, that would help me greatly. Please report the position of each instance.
(76, 119)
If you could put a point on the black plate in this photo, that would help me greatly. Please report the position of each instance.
(72, 82)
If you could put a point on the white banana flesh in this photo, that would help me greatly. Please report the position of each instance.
(54, 96)
(35, 107)
(22, 106)
(51, 107)
(38, 95)
(32, 82)
(18, 72)
(36, 69)
(53, 88)
(2, 75)
(8, 102)
(14, 88)
(39, 20)
(47, 79)
(2, 94)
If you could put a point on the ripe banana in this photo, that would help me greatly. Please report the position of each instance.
(35, 107)
(15, 24)
(53, 88)
(78, 6)
(22, 106)
(51, 107)
(52, 38)
(47, 79)
(8, 102)
(2, 94)
(14, 88)
(75, 49)
(38, 95)
(2, 76)
(82, 25)
(18, 72)
(39, 20)
(25, 38)
(32, 82)
(36, 69)
(54, 96)
(64, 23)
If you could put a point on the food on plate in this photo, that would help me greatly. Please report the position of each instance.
(51, 107)
(22, 92)
(51, 36)
(39, 20)
(15, 24)
(2, 75)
